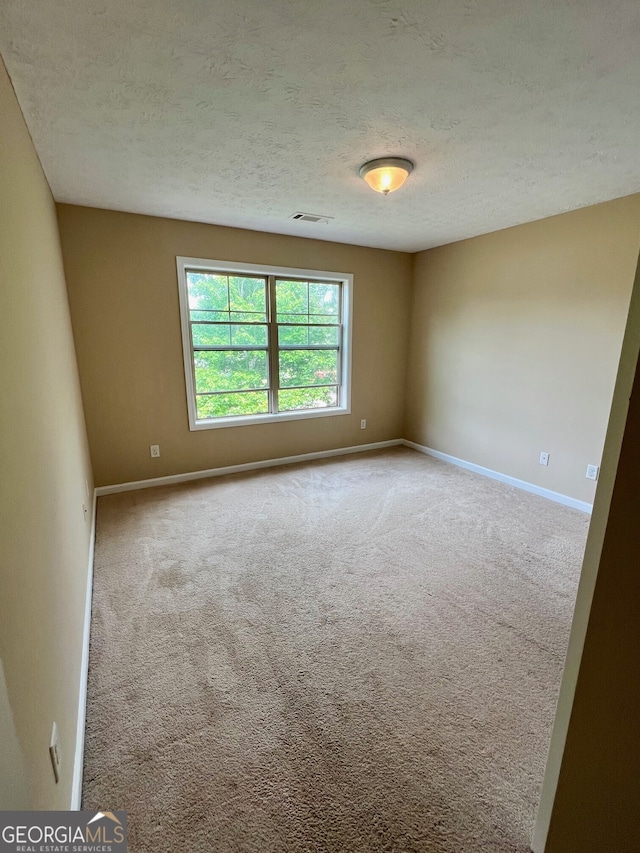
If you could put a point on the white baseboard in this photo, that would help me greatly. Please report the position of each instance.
(78, 761)
(583, 506)
(238, 469)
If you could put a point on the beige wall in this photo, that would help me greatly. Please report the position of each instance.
(123, 293)
(515, 343)
(14, 792)
(44, 462)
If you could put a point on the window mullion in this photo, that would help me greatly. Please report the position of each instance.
(274, 366)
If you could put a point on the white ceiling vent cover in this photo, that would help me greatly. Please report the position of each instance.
(310, 217)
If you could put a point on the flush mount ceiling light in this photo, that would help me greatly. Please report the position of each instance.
(387, 174)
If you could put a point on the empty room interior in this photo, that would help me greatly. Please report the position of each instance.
(319, 423)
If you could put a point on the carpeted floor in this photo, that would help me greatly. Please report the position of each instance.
(356, 655)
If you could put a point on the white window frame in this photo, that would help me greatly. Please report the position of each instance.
(205, 265)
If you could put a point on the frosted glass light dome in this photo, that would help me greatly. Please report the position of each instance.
(387, 174)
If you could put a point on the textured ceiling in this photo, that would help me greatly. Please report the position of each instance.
(241, 113)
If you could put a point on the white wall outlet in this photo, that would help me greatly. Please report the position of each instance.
(155, 450)
(544, 458)
(363, 423)
(85, 510)
(55, 754)
(592, 472)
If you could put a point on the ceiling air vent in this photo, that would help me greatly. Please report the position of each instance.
(310, 217)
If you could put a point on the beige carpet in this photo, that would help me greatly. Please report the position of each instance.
(357, 655)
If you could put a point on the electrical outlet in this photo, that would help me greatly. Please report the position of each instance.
(85, 510)
(155, 450)
(592, 472)
(544, 458)
(363, 423)
(55, 754)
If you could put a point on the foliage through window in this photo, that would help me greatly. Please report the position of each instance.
(262, 345)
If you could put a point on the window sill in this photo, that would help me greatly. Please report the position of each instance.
(254, 420)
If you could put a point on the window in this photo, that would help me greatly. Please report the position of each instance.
(263, 343)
